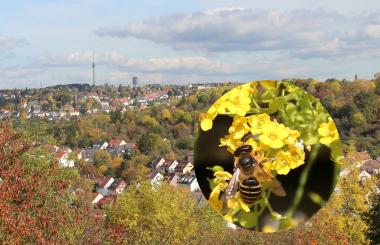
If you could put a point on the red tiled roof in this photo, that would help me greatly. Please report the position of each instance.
(168, 163)
(103, 181)
(115, 142)
(123, 100)
(358, 156)
(60, 154)
(375, 164)
(100, 180)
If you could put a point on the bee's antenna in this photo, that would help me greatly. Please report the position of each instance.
(247, 137)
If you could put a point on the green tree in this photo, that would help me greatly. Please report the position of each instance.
(64, 98)
(367, 103)
(373, 220)
(116, 116)
(185, 143)
(149, 143)
(101, 157)
(377, 83)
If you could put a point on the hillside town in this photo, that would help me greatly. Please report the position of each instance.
(66, 102)
(178, 173)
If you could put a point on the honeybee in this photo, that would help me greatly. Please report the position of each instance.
(248, 176)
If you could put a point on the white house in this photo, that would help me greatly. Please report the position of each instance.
(157, 162)
(74, 113)
(169, 166)
(80, 153)
(120, 186)
(188, 182)
(364, 175)
(104, 146)
(172, 179)
(156, 178)
(63, 158)
(184, 167)
(97, 197)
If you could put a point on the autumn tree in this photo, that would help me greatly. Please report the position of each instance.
(163, 215)
(36, 199)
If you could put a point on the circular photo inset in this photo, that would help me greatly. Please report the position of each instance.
(267, 155)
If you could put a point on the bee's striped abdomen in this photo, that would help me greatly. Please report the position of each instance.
(250, 190)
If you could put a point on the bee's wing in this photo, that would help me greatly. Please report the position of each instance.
(274, 185)
(233, 185)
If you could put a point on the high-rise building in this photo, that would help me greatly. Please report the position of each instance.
(134, 81)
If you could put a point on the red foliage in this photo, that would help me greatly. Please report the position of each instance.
(32, 207)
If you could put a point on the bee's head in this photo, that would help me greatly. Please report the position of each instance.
(246, 163)
(244, 149)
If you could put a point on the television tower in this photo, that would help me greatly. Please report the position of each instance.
(93, 70)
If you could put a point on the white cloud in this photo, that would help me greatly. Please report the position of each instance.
(20, 72)
(300, 33)
(7, 43)
(164, 64)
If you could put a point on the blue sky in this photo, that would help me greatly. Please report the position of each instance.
(186, 41)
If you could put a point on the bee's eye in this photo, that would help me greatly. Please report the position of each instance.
(246, 161)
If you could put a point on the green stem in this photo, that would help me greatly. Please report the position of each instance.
(255, 103)
(302, 182)
(257, 218)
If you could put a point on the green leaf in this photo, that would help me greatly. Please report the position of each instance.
(275, 104)
(247, 220)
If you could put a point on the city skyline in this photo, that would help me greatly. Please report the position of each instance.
(163, 41)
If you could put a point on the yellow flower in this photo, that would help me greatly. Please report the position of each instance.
(298, 153)
(274, 135)
(206, 120)
(237, 202)
(228, 217)
(257, 121)
(214, 201)
(252, 143)
(231, 143)
(217, 108)
(237, 101)
(214, 196)
(223, 175)
(293, 135)
(239, 127)
(328, 132)
(283, 163)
